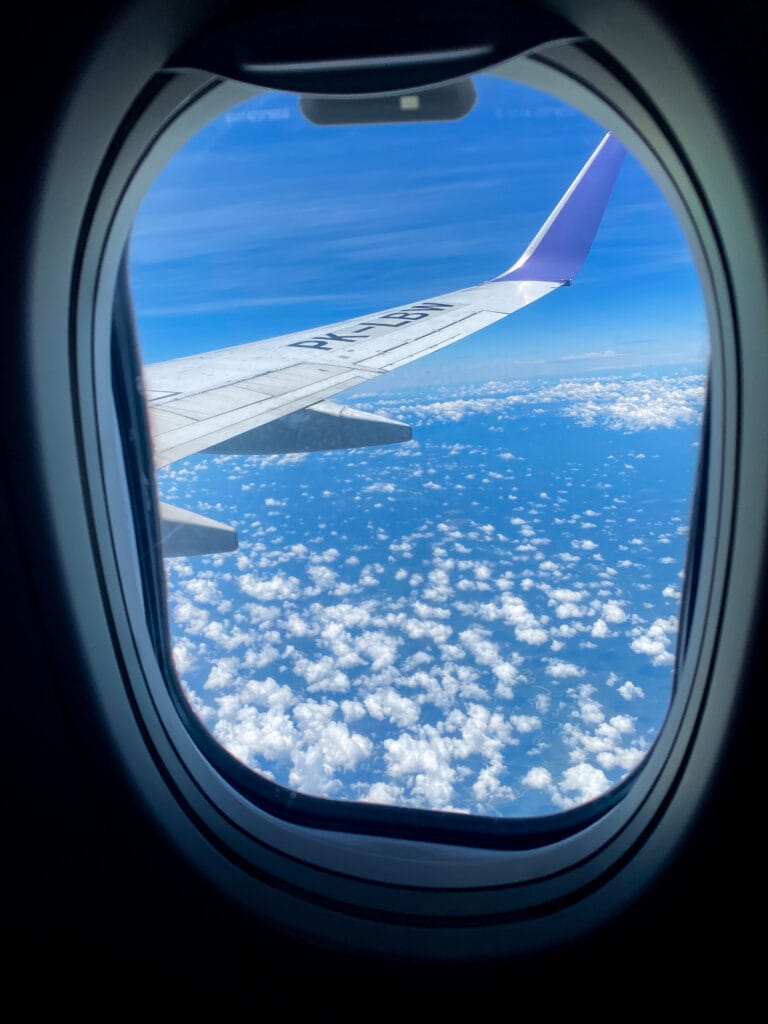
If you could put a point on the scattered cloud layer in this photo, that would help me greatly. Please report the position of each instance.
(623, 404)
(481, 620)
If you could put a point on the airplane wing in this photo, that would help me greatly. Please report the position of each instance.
(272, 395)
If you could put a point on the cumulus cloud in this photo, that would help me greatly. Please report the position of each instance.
(562, 669)
(593, 735)
(657, 640)
(615, 403)
(327, 746)
(425, 762)
(485, 652)
(513, 611)
(525, 723)
(633, 405)
(538, 778)
(613, 612)
(582, 782)
(387, 703)
(279, 587)
(383, 793)
(629, 691)
(223, 674)
(184, 655)
(321, 674)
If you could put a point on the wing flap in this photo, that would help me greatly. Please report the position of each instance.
(318, 428)
(188, 533)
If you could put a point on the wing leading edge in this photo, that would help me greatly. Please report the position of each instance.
(234, 399)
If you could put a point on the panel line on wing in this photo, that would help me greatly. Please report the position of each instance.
(181, 440)
(416, 347)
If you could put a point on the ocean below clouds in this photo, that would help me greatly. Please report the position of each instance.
(482, 620)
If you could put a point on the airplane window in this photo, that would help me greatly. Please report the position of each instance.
(453, 582)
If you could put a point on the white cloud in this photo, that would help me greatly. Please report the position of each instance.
(279, 587)
(632, 405)
(387, 703)
(426, 762)
(613, 612)
(629, 691)
(203, 590)
(352, 710)
(383, 793)
(189, 616)
(525, 723)
(584, 781)
(656, 641)
(513, 611)
(327, 746)
(615, 403)
(184, 655)
(418, 629)
(377, 653)
(223, 674)
(562, 669)
(538, 778)
(321, 674)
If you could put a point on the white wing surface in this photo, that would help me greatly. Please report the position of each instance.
(250, 398)
(199, 401)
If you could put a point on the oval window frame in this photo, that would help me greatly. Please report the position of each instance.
(366, 881)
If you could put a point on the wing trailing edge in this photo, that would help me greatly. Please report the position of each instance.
(187, 533)
(323, 427)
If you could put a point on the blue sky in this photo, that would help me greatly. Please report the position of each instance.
(265, 224)
(482, 619)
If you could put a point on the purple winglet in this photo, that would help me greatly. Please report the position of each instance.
(559, 250)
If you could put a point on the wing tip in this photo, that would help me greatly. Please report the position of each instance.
(561, 246)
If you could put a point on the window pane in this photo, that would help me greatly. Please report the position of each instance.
(482, 618)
